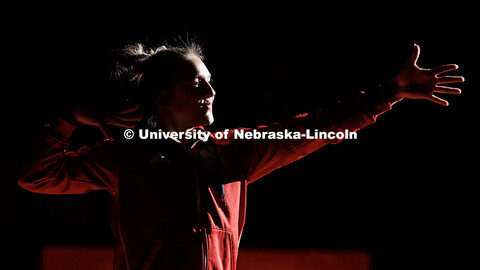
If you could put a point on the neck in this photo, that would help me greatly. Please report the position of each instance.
(166, 121)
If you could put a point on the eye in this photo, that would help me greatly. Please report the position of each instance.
(196, 83)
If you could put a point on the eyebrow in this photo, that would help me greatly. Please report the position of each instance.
(200, 76)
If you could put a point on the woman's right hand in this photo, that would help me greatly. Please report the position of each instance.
(100, 118)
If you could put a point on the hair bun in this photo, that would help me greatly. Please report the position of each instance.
(130, 61)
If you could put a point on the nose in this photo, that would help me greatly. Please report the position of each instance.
(209, 92)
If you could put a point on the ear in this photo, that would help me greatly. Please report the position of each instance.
(162, 97)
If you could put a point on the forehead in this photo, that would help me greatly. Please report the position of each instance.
(191, 68)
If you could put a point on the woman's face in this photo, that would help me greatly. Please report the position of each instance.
(191, 99)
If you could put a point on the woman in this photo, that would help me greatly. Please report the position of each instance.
(180, 203)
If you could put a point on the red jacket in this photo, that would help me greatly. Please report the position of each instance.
(179, 208)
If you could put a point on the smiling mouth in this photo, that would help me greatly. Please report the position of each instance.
(206, 103)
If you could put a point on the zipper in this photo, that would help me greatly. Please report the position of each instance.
(223, 195)
(220, 172)
(202, 231)
(198, 194)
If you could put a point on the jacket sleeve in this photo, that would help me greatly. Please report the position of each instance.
(51, 169)
(255, 158)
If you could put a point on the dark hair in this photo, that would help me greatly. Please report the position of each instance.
(145, 70)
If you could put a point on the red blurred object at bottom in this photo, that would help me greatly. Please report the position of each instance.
(101, 258)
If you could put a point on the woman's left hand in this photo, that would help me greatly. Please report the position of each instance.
(418, 83)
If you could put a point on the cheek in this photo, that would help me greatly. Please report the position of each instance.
(186, 105)
(183, 100)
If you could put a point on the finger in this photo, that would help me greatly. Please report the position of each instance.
(438, 100)
(444, 68)
(447, 90)
(106, 133)
(131, 109)
(128, 118)
(124, 124)
(450, 79)
(415, 55)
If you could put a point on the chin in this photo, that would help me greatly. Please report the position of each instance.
(204, 120)
(209, 119)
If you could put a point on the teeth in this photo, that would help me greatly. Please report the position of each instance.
(206, 101)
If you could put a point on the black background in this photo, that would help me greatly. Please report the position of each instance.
(407, 190)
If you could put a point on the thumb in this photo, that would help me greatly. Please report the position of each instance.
(106, 133)
(415, 55)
